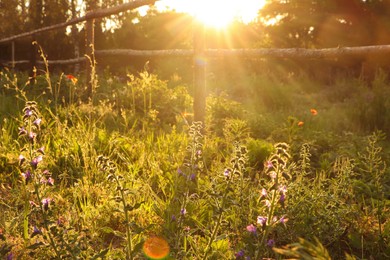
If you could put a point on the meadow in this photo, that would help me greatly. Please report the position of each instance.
(290, 168)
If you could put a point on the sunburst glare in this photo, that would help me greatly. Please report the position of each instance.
(216, 13)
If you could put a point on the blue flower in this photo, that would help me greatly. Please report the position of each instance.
(240, 254)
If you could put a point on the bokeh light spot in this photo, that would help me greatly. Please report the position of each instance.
(156, 248)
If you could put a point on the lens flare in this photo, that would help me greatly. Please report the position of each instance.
(156, 248)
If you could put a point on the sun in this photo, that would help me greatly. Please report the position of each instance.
(216, 13)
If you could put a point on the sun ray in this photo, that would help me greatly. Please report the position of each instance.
(216, 13)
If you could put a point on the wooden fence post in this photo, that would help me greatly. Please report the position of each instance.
(13, 55)
(90, 63)
(199, 62)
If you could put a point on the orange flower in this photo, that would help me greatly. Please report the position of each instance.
(156, 248)
(313, 112)
(301, 123)
(71, 78)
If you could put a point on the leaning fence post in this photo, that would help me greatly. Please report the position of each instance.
(199, 62)
(90, 63)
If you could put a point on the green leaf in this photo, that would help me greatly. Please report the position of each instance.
(101, 254)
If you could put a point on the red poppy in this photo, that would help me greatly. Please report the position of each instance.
(313, 112)
(71, 78)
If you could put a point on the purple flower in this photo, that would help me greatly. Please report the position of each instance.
(263, 192)
(268, 164)
(36, 231)
(271, 243)
(41, 150)
(46, 203)
(22, 131)
(37, 121)
(239, 254)
(273, 175)
(27, 176)
(22, 159)
(251, 228)
(10, 256)
(33, 204)
(32, 135)
(36, 160)
(192, 177)
(226, 172)
(262, 221)
(282, 198)
(50, 181)
(282, 189)
(183, 211)
(173, 218)
(283, 220)
(28, 112)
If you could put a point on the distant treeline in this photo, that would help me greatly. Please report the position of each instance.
(280, 24)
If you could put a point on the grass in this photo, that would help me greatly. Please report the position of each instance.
(289, 168)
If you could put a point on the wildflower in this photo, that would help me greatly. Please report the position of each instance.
(173, 218)
(271, 243)
(46, 203)
(22, 159)
(36, 231)
(37, 121)
(192, 177)
(41, 150)
(22, 131)
(262, 221)
(71, 78)
(28, 112)
(239, 254)
(32, 136)
(50, 181)
(313, 112)
(251, 228)
(300, 123)
(226, 172)
(36, 160)
(183, 211)
(273, 175)
(282, 199)
(27, 176)
(33, 204)
(283, 220)
(263, 193)
(269, 165)
(267, 203)
(10, 256)
(282, 189)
